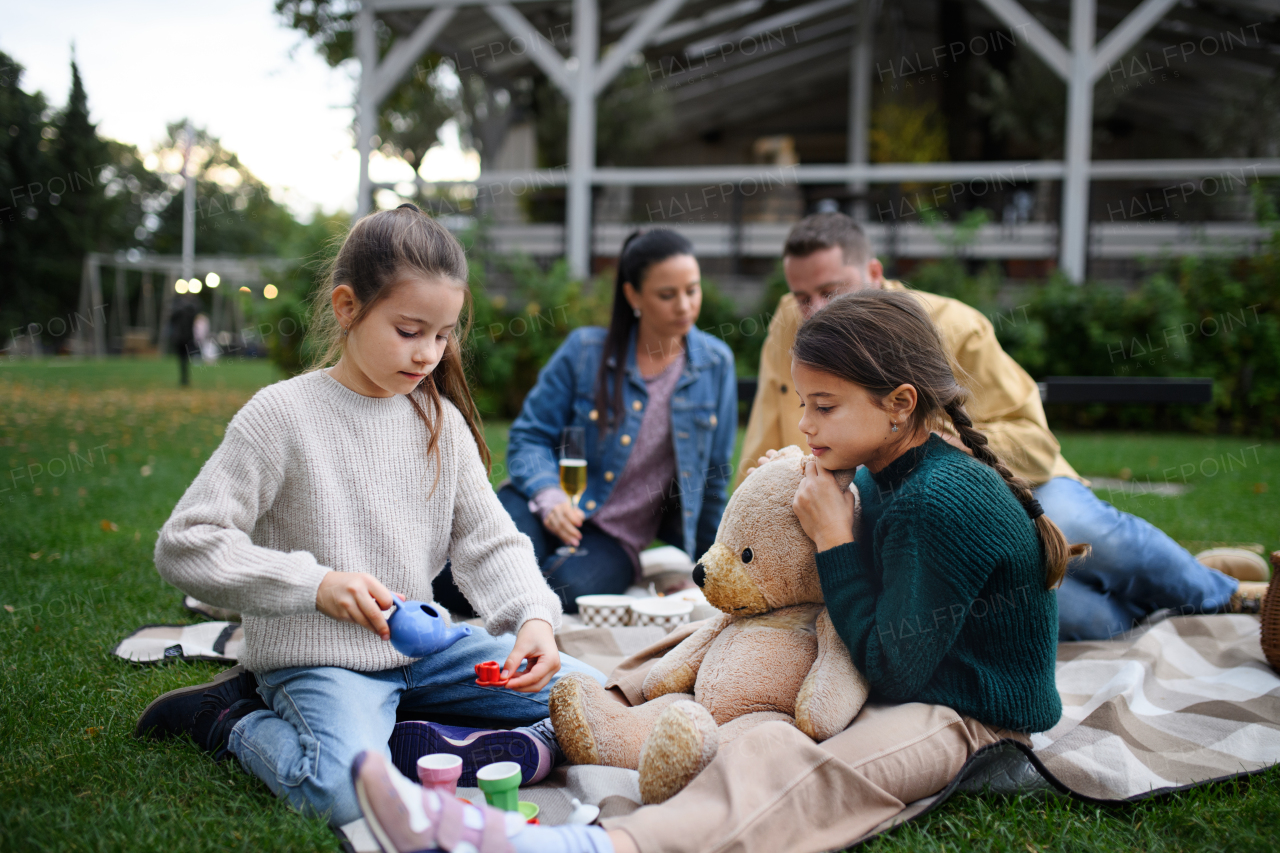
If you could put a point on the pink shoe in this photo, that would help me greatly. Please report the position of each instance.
(407, 818)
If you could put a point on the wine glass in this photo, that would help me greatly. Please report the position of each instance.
(573, 473)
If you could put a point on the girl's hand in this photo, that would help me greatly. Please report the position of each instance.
(537, 642)
(770, 455)
(825, 510)
(355, 597)
(565, 521)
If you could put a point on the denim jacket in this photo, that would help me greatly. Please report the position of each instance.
(704, 426)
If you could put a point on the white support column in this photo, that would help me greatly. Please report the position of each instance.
(1079, 143)
(1081, 68)
(167, 280)
(148, 318)
(188, 207)
(366, 110)
(121, 308)
(97, 311)
(582, 138)
(860, 98)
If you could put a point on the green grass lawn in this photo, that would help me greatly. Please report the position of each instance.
(97, 454)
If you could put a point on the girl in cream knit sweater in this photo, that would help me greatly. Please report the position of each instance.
(330, 493)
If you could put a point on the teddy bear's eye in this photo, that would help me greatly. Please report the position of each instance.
(747, 555)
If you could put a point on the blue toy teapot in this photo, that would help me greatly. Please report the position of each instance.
(418, 629)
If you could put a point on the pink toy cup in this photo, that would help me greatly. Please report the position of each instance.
(440, 771)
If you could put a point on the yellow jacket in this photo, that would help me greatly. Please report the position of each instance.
(1003, 400)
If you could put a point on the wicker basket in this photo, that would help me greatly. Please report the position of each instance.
(1271, 616)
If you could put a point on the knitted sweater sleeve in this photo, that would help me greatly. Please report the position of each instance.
(493, 562)
(205, 548)
(899, 626)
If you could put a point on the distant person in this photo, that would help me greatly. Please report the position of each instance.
(1134, 568)
(330, 493)
(658, 401)
(202, 332)
(182, 337)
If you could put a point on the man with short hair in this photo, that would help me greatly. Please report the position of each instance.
(1134, 568)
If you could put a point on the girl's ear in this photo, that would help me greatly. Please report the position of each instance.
(633, 295)
(900, 403)
(344, 305)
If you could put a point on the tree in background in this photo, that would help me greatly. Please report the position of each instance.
(69, 191)
(235, 214)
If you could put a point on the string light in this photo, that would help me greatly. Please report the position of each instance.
(213, 279)
(180, 286)
(270, 291)
(194, 285)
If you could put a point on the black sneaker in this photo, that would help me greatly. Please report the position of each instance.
(207, 712)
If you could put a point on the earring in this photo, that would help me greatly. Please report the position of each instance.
(636, 311)
(344, 331)
(894, 428)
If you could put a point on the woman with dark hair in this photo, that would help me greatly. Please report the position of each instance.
(657, 400)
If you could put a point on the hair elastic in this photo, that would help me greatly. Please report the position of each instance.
(409, 205)
(1033, 508)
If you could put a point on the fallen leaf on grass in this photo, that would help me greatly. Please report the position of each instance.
(1259, 488)
(93, 731)
(109, 526)
(9, 607)
(37, 555)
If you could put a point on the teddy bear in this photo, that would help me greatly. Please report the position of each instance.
(772, 654)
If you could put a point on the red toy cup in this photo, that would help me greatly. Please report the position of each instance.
(440, 771)
(489, 674)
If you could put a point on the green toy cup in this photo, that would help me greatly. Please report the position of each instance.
(500, 783)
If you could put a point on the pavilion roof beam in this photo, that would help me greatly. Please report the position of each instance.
(1127, 33)
(754, 70)
(712, 18)
(406, 51)
(414, 5)
(1043, 42)
(636, 38)
(788, 18)
(544, 55)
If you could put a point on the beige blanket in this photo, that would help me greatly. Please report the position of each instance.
(1172, 705)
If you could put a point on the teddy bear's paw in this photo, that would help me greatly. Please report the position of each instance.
(594, 728)
(570, 716)
(683, 743)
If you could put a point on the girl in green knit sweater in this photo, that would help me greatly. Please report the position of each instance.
(938, 573)
(943, 588)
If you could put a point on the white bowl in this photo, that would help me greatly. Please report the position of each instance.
(668, 612)
(604, 611)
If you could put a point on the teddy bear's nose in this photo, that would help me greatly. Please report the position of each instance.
(699, 575)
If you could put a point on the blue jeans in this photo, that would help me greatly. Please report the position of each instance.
(321, 717)
(602, 565)
(1134, 570)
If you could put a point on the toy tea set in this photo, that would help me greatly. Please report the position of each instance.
(418, 630)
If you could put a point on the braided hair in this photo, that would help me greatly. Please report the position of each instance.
(881, 340)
